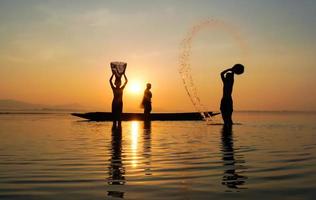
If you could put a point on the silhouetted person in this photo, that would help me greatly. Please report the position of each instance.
(230, 178)
(117, 103)
(146, 103)
(116, 168)
(227, 100)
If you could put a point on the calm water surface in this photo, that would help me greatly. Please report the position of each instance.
(54, 156)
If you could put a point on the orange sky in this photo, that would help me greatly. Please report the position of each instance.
(59, 53)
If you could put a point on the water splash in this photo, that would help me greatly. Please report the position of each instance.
(185, 53)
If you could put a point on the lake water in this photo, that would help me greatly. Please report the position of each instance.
(55, 156)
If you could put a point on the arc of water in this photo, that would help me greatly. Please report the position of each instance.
(184, 59)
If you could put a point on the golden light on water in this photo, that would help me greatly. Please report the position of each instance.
(134, 142)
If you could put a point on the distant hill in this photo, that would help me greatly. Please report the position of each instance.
(14, 105)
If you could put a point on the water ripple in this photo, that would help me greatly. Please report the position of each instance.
(165, 160)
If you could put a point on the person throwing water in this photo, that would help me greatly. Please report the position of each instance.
(227, 100)
(117, 102)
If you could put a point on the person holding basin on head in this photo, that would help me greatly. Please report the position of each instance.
(117, 102)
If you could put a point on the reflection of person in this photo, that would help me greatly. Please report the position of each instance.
(117, 103)
(147, 146)
(227, 100)
(230, 178)
(116, 168)
(146, 103)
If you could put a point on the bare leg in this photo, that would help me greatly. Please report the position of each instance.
(119, 123)
(227, 118)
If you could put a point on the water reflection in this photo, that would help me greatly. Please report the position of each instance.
(134, 143)
(231, 178)
(116, 168)
(147, 146)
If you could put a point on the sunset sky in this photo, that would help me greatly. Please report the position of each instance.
(58, 52)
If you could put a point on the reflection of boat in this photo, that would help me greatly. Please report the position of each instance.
(107, 116)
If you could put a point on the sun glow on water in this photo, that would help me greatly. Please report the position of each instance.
(134, 142)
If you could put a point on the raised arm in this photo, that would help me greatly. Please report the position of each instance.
(224, 72)
(126, 80)
(111, 82)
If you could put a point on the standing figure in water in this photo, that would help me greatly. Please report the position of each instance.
(146, 103)
(227, 100)
(117, 103)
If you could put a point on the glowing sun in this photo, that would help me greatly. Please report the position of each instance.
(135, 88)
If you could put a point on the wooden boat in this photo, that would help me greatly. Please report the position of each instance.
(107, 116)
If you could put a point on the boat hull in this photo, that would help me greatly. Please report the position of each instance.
(107, 116)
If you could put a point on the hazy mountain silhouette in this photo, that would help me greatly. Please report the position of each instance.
(11, 104)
